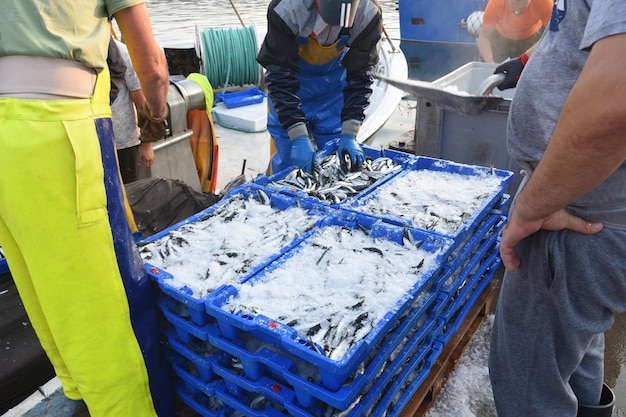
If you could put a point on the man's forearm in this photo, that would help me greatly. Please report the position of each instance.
(147, 57)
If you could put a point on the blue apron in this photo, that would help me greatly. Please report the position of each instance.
(322, 80)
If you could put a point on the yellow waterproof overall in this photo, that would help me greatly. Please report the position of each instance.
(72, 256)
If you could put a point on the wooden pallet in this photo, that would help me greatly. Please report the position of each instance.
(425, 396)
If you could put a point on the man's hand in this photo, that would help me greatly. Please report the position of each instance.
(350, 153)
(146, 155)
(512, 69)
(302, 153)
(150, 130)
(518, 228)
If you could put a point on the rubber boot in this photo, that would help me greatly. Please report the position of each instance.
(605, 409)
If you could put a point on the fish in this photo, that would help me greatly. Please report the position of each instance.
(329, 182)
(217, 258)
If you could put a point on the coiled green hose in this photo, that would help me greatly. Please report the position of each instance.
(229, 56)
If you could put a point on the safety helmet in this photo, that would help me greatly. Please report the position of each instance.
(338, 12)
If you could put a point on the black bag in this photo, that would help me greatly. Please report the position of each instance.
(158, 203)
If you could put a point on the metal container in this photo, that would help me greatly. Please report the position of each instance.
(173, 154)
(469, 139)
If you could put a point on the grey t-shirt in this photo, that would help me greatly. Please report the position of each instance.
(125, 129)
(549, 76)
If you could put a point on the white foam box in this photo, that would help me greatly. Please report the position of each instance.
(252, 117)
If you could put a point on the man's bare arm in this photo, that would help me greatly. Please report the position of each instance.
(147, 57)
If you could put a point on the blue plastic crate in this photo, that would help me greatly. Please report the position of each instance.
(407, 382)
(267, 363)
(457, 300)
(241, 98)
(185, 328)
(202, 403)
(198, 394)
(281, 395)
(465, 258)
(278, 180)
(458, 225)
(466, 298)
(414, 355)
(4, 267)
(416, 349)
(193, 304)
(188, 305)
(464, 250)
(504, 205)
(202, 363)
(473, 256)
(252, 404)
(333, 372)
(187, 375)
(451, 297)
(247, 190)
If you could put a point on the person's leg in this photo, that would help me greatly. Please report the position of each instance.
(127, 159)
(28, 295)
(549, 315)
(86, 292)
(586, 382)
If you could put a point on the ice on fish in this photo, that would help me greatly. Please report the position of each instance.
(433, 200)
(337, 301)
(216, 250)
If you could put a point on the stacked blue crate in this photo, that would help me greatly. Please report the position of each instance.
(196, 391)
(184, 310)
(185, 301)
(415, 327)
(479, 261)
(409, 379)
(339, 382)
(264, 367)
(458, 294)
(480, 249)
(469, 268)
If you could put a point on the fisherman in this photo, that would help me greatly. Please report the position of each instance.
(510, 27)
(62, 223)
(318, 55)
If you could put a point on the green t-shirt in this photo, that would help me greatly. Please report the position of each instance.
(76, 30)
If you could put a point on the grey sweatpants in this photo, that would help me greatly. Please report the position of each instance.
(547, 345)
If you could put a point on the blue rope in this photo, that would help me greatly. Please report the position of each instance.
(230, 56)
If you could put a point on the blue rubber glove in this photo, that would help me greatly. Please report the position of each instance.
(302, 153)
(350, 153)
